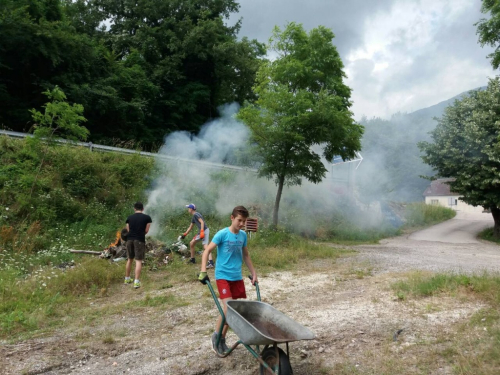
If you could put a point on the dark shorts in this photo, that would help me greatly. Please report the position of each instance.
(231, 289)
(136, 249)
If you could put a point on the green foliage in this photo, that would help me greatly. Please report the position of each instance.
(486, 286)
(166, 66)
(465, 146)
(26, 304)
(60, 119)
(489, 29)
(302, 103)
(79, 199)
(489, 235)
(421, 214)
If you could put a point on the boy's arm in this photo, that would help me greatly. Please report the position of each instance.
(204, 257)
(202, 231)
(188, 230)
(248, 262)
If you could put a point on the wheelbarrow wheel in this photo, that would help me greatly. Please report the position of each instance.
(269, 356)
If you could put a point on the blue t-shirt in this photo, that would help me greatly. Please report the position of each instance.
(229, 254)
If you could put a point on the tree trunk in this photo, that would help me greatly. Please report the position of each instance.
(495, 211)
(281, 182)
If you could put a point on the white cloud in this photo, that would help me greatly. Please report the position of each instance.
(410, 59)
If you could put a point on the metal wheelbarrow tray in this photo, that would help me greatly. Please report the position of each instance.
(258, 323)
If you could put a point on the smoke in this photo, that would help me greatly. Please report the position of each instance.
(201, 169)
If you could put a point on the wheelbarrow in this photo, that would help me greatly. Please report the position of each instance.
(259, 324)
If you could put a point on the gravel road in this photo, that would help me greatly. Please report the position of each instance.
(448, 246)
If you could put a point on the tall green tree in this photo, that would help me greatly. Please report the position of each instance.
(489, 29)
(39, 49)
(466, 146)
(189, 54)
(141, 69)
(302, 111)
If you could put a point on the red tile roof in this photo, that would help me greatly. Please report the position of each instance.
(439, 187)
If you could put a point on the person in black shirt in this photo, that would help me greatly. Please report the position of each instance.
(137, 226)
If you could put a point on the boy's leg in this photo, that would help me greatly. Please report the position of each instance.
(140, 250)
(192, 244)
(205, 242)
(219, 319)
(138, 268)
(128, 267)
(130, 257)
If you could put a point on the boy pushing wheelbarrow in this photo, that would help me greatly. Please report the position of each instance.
(232, 251)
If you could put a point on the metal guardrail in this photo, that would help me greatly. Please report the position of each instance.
(92, 147)
(207, 164)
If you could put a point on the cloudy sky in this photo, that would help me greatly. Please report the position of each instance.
(399, 55)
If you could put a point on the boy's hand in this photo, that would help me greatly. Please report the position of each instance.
(203, 277)
(253, 278)
(202, 234)
(183, 235)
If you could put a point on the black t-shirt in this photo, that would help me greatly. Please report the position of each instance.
(137, 226)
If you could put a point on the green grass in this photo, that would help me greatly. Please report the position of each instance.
(421, 214)
(487, 235)
(419, 284)
(277, 250)
(41, 299)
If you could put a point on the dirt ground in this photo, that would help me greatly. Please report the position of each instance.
(348, 304)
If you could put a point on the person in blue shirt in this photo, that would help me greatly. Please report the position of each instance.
(232, 251)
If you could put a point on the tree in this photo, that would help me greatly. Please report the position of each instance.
(302, 107)
(60, 119)
(141, 69)
(489, 29)
(465, 146)
(190, 55)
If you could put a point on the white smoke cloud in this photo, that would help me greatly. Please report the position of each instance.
(197, 169)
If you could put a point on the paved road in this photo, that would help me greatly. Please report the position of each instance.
(448, 246)
(463, 228)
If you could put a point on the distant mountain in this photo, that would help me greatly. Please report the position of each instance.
(392, 163)
(437, 110)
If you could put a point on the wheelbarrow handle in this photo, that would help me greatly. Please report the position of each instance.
(256, 285)
(205, 280)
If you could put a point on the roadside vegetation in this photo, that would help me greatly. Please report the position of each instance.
(489, 235)
(71, 198)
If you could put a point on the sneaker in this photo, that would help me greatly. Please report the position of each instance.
(191, 261)
(128, 281)
(137, 284)
(210, 264)
(215, 348)
(222, 345)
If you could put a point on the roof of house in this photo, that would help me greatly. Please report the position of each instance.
(439, 187)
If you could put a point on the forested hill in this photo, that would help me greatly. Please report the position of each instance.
(141, 69)
(392, 166)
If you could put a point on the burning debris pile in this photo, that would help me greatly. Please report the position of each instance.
(157, 253)
(117, 250)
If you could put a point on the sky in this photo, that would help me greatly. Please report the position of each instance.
(399, 55)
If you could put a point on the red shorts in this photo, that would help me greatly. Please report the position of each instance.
(231, 289)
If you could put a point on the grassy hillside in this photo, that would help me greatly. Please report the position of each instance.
(62, 196)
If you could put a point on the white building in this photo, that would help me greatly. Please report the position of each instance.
(438, 193)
